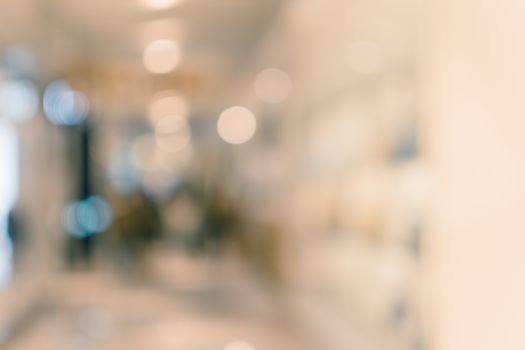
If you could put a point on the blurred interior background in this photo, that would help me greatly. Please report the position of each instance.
(261, 174)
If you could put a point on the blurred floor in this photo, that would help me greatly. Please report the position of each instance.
(219, 305)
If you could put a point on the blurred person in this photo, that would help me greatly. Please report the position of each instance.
(268, 253)
(137, 226)
(17, 235)
(222, 221)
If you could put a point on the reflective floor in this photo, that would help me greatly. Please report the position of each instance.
(192, 303)
(179, 301)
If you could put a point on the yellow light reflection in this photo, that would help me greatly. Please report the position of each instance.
(162, 56)
(166, 103)
(236, 125)
(160, 4)
(172, 134)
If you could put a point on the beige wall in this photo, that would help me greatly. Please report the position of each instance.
(473, 75)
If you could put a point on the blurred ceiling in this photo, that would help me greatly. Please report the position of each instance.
(62, 31)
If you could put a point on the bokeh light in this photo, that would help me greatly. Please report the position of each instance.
(87, 217)
(162, 56)
(172, 134)
(166, 103)
(236, 125)
(63, 105)
(160, 153)
(18, 100)
(170, 124)
(273, 85)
